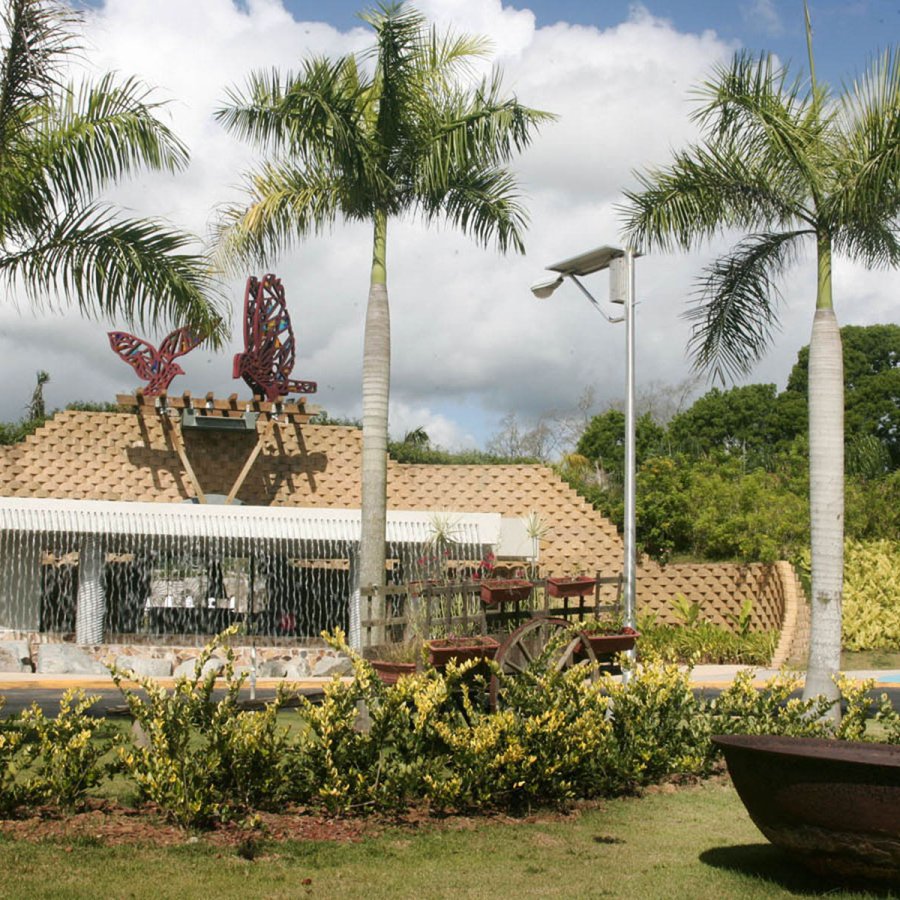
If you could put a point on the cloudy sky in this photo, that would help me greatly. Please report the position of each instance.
(470, 344)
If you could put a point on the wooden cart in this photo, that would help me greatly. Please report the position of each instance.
(526, 629)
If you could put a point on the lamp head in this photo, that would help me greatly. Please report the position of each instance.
(545, 287)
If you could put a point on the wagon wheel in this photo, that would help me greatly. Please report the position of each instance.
(529, 643)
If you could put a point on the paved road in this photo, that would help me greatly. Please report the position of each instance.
(46, 692)
(21, 691)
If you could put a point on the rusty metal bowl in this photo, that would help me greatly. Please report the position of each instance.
(834, 805)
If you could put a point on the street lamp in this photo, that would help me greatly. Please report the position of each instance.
(620, 263)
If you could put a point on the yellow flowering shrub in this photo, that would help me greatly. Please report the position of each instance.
(63, 753)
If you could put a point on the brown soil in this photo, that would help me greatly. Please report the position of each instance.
(113, 825)
(110, 824)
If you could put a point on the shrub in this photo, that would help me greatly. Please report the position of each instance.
(704, 643)
(63, 753)
(202, 760)
(658, 725)
(10, 743)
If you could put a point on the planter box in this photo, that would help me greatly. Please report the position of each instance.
(441, 651)
(571, 587)
(390, 672)
(503, 590)
(608, 644)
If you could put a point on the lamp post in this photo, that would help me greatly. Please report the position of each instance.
(620, 263)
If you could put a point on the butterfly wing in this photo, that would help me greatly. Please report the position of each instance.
(142, 356)
(179, 342)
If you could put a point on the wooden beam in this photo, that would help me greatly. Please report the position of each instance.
(178, 443)
(261, 435)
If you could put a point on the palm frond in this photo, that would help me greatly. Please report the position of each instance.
(873, 241)
(752, 107)
(866, 181)
(285, 203)
(447, 57)
(102, 132)
(484, 203)
(38, 42)
(315, 113)
(132, 270)
(736, 308)
(708, 190)
(467, 131)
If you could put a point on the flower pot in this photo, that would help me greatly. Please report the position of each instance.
(441, 651)
(570, 587)
(608, 644)
(390, 672)
(503, 590)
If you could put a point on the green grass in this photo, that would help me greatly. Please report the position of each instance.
(696, 843)
(869, 659)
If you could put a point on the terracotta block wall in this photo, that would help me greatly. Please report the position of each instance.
(720, 589)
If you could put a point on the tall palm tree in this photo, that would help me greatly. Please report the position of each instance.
(396, 133)
(791, 165)
(60, 146)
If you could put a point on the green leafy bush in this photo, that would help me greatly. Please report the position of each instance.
(659, 728)
(871, 602)
(11, 794)
(202, 760)
(63, 754)
(704, 643)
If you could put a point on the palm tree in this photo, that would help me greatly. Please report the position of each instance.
(791, 165)
(60, 146)
(401, 137)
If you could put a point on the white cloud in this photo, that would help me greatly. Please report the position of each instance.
(470, 344)
(763, 17)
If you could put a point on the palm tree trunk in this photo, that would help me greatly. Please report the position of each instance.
(826, 489)
(376, 389)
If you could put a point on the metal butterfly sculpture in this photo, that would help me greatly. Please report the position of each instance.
(269, 347)
(155, 366)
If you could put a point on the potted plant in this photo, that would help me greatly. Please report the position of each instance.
(392, 661)
(608, 636)
(502, 590)
(571, 586)
(460, 648)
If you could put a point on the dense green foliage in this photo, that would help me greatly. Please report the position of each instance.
(727, 478)
(871, 619)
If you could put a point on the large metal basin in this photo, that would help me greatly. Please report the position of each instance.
(835, 805)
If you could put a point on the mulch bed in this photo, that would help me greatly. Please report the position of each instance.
(113, 825)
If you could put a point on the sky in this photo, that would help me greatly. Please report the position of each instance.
(470, 343)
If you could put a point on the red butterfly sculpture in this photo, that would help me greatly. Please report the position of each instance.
(155, 366)
(269, 349)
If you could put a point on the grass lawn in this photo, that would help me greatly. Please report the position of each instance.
(694, 843)
(869, 659)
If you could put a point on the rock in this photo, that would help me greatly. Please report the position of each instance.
(297, 670)
(329, 666)
(67, 659)
(143, 665)
(186, 669)
(272, 668)
(15, 657)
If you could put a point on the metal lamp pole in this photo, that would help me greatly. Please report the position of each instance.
(621, 290)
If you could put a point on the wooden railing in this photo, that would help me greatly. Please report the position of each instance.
(419, 610)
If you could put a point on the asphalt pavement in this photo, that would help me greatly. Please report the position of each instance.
(20, 690)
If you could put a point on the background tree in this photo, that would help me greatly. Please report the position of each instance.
(407, 137)
(871, 357)
(750, 423)
(603, 441)
(60, 146)
(789, 164)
